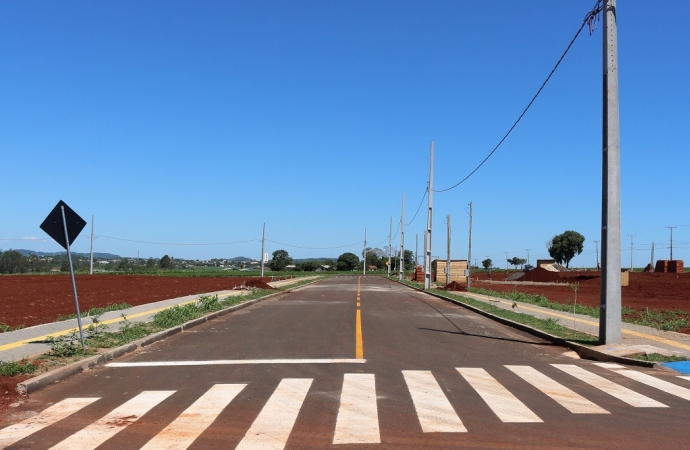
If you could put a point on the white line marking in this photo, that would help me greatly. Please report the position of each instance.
(194, 420)
(435, 413)
(567, 398)
(45, 418)
(685, 377)
(358, 417)
(221, 362)
(649, 380)
(504, 404)
(272, 427)
(616, 390)
(113, 422)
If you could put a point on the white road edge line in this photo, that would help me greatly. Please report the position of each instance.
(230, 362)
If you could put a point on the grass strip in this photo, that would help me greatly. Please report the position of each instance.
(13, 368)
(550, 326)
(658, 357)
(96, 311)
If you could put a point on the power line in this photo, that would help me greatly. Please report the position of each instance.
(177, 243)
(426, 191)
(588, 20)
(315, 248)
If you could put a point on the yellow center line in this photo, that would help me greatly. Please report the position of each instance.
(105, 322)
(359, 343)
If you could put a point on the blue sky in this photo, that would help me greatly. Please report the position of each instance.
(195, 123)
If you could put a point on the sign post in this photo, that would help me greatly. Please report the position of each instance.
(64, 225)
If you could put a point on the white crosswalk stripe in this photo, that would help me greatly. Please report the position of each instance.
(616, 390)
(49, 416)
(504, 404)
(649, 380)
(358, 419)
(685, 377)
(272, 427)
(194, 420)
(567, 398)
(113, 422)
(435, 413)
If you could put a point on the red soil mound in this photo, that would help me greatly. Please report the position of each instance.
(454, 286)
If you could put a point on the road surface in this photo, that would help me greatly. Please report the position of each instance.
(355, 362)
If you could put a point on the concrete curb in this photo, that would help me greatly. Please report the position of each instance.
(582, 350)
(39, 382)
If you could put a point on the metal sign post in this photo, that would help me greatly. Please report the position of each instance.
(64, 225)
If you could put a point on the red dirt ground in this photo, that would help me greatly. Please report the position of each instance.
(32, 300)
(670, 291)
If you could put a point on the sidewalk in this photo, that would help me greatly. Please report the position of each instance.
(636, 339)
(29, 342)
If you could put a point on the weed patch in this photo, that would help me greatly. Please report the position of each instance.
(658, 357)
(96, 311)
(13, 368)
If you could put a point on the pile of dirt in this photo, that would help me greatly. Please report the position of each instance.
(541, 275)
(454, 286)
(258, 284)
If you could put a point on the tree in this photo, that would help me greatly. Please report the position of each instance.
(150, 263)
(12, 262)
(347, 261)
(487, 263)
(564, 247)
(515, 261)
(281, 259)
(166, 262)
(408, 259)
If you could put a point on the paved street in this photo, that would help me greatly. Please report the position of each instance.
(355, 362)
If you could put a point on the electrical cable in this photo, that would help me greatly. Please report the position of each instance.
(315, 248)
(419, 207)
(588, 20)
(177, 243)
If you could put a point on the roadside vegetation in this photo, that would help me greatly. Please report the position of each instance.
(67, 349)
(659, 319)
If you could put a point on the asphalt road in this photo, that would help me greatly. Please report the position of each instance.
(355, 362)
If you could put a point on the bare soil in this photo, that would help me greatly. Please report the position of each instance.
(32, 300)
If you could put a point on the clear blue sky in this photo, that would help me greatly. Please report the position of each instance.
(196, 122)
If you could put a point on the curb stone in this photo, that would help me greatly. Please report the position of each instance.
(582, 350)
(56, 375)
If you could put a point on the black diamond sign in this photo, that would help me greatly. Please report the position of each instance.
(55, 229)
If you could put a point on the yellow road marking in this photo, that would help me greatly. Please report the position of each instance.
(624, 331)
(359, 350)
(105, 322)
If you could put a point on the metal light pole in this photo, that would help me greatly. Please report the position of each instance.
(597, 243)
(448, 253)
(91, 263)
(263, 242)
(364, 262)
(527, 255)
(631, 251)
(469, 254)
(610, 305)
(401, 268)
(390, 245)
(671, 228)
(427, 250)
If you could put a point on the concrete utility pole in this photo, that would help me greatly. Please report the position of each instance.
(597, 243)
(651, 262)
(610, 305)
(469, 253)
(401, 264)
(506, 262)
(448, 253)
(671, 228)
(631, 251)
(364, 262)
(390, 237)
(263, 242)
(427, 250)
(91, 264)
(527, 255)
(416, 251)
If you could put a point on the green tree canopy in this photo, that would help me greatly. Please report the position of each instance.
(166, 262)
(515, 261)
(487, 263)
(347, 261)
(12, 262)
(564, 247)
(281, 259)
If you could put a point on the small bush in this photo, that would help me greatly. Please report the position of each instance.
(13, 368)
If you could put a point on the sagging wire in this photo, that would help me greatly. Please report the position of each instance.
(590, 19)
(426, 191)
(315, 248)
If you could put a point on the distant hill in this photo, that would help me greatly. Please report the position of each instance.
(84, 255)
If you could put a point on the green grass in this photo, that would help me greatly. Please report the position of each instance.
(96, 311)
(550, 326)
(660, 319)
(13, 368)
(4, 328)
(658, 357)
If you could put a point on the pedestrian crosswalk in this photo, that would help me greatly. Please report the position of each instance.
(358, 412)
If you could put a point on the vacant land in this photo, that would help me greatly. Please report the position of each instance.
(32, 300)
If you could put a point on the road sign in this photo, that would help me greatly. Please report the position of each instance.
(54, 227)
